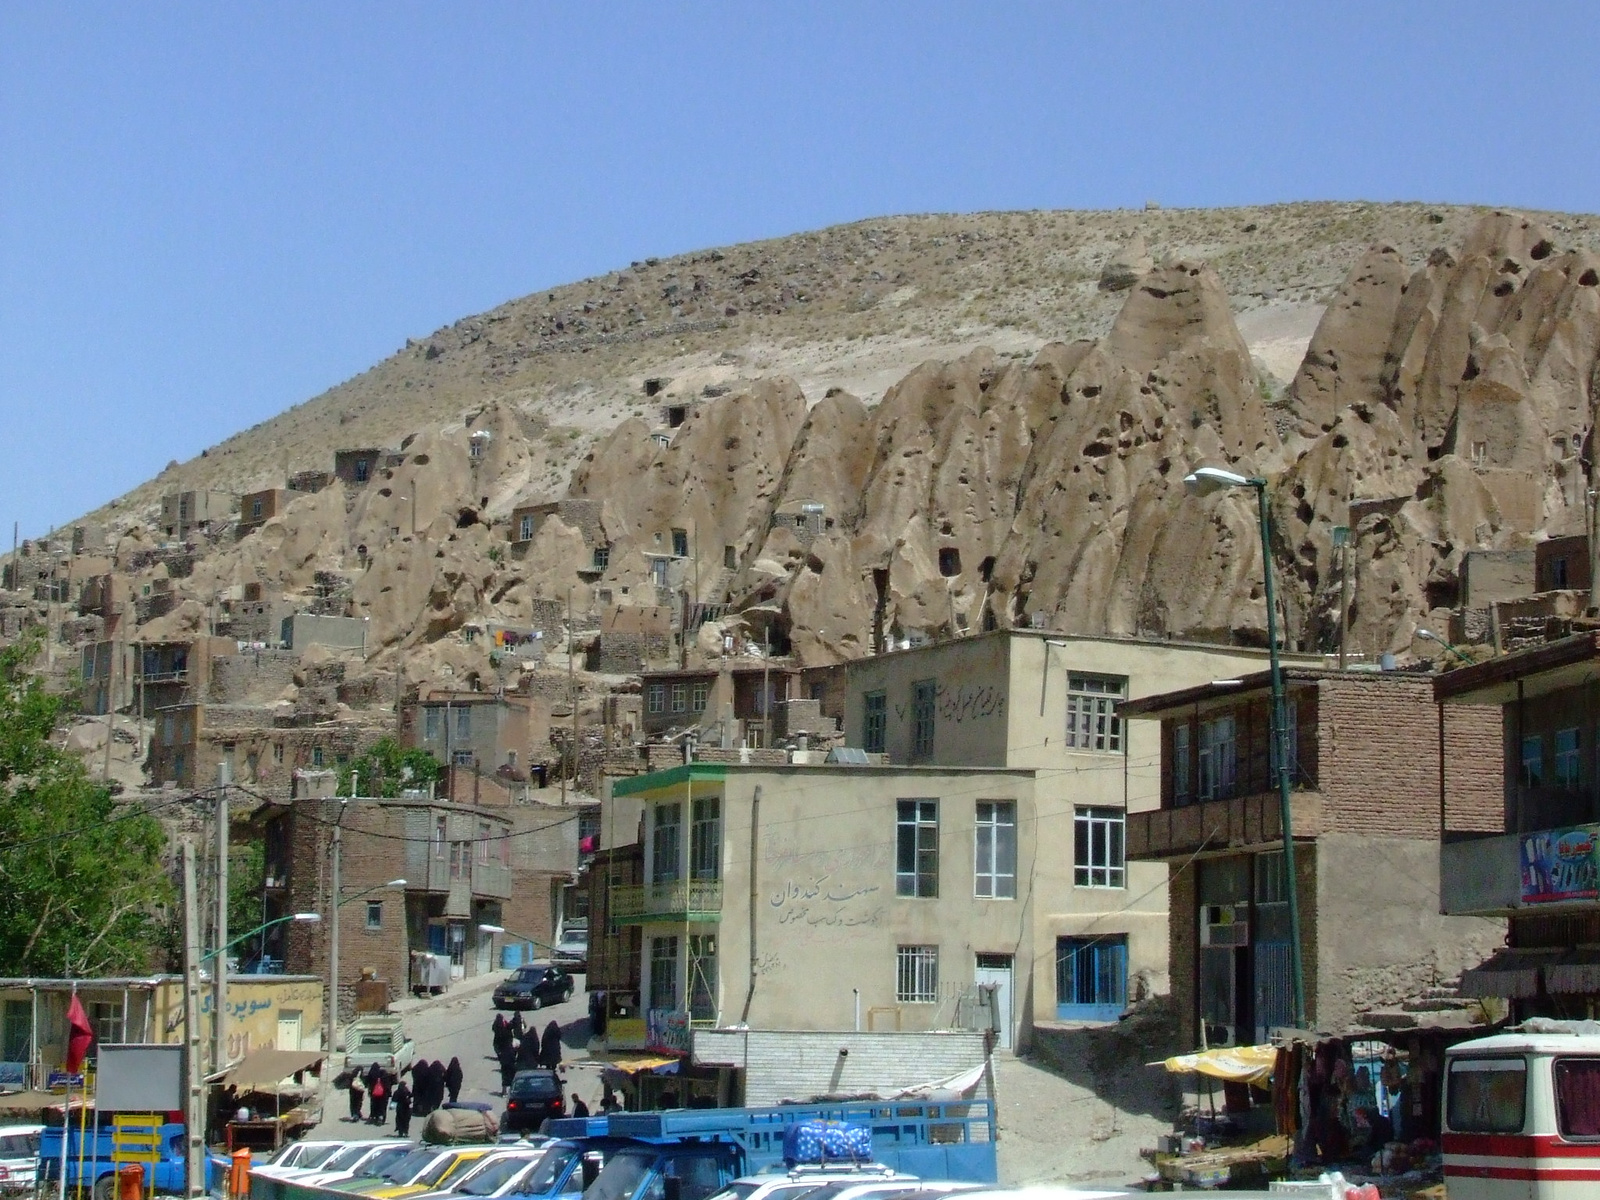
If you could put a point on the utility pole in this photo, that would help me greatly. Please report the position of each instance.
(111, 707)
(194, 1096)
(572, 689)
(219, 976)
(1341, 542)
(766, 690)
(335, 850)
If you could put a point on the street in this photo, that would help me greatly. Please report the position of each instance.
(457, 1026)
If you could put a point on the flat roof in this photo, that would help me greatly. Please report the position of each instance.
(1259, 681)
(1539, 669)
(1054, 635)
(633, 785)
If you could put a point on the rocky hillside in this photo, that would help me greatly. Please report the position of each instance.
(1444, 403)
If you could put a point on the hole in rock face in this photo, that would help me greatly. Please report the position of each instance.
(986, 569)
(1091, 391)
(949, 561)
(1542, 249)
(1589, 278)
(466, 517)
(1340, 441)
(1097, 450)
(1504, 288)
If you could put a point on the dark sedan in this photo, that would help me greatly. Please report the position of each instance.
(533, 987)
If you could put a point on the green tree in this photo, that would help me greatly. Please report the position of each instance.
(82, 886)
(388, 768)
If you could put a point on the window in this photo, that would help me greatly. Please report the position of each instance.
(461, 758)
(664, 973)
(602, 557)
(463, 724)
(316, 756)
(1487, 1095)
(363, 470)
(1091, 977)
(916, 870)
(1558, 573)
(656, 697)
(924, 692)
(1480, 453)
(177, 766)
(1567, 759)
(1533, 761)
(1182, 780)
(730, 558)
(525, 528)
(680, 543)
(1272, 885)
(875, 722)
(482, 843)
(680, 697)
(702, 977)
(1577, 1083)
(439, 826)
(666, 844)
(430, 724)
(456, 856)
(698, 696)
(916, 974)
(168, 730)
(1092, 721)
(106, 1017)
(1216, 758)
(374, 914)
(949, 561)
(1097, 847)
(705, 839)
(995, 842)
(255, 509)
(17, 1037)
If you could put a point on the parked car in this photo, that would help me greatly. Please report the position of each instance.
(810, 1179)
(357, 1160)
(534, 1098)
(19, 1157)
(572, 949)
(449, 1165)
(495, 1174)
(298, 1158)
(534, 986)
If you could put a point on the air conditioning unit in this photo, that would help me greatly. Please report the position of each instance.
(1224, 925)
(1221, 1035)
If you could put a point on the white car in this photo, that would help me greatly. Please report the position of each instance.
(19, 1157)
(804, 1178)
(498, 1174)
(358, 1158)
(298, 1157)
(927, 1189)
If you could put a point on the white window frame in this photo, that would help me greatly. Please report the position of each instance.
(921, 818)
(1103, 831)
(656, 698)
(525, 528)
(374, 914)
(680, 697)
(916, 974)
(994, 850)
(698, 695)
(1092, 720)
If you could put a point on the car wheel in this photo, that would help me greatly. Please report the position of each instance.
(566, 995)
(534, 1001)
(105, 1188)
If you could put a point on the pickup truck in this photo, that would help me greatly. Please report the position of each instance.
(90, 1165)
(691, 1154)
(378, 1039)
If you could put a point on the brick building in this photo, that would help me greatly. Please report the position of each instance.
(738, 701)
(1537, 862)
(257, 508)
(1378, 771)
(482, 732)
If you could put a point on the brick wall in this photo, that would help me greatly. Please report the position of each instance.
(1474, 768)
(259, 676)
(1183, 936)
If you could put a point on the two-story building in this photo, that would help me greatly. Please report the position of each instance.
(1377, 772)
(1537, 861)
(454, 859)
(482, 731)
(186, 513)
(738, 700)
(1049, 702)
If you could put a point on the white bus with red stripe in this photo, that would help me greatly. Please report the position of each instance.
(1522, 1116)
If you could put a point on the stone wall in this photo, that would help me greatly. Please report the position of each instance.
(257, 676)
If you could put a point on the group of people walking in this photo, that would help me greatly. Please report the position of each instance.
(518, 1047)
(432, 1085)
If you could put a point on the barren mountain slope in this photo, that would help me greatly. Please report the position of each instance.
(855, 306)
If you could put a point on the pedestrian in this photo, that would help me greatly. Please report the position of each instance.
(356, 1092)
(502, 1034)
(528, 1051)
(608, 1101)
(508, 1072)
(380, 1100)
(402, 1109)
(517, 1027)
(454, 1076)
(436, 1074)
(419, 1088)
(597, 1014)
(579, 1108)
(550, 1047)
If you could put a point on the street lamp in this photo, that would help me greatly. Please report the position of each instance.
(1429, 635)
(263, 927)
(521, 937)
(1203, 481)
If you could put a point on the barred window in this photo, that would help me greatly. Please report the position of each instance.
(1092, 720)
(1217, 758)
(916, 976)
(924, 694)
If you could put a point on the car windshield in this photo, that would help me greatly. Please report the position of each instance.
(405, 1170)
(443, 1167)
(317, 1155)
(578, 937)
(548, 1173)
(347, 1157)
(738, 1191)
(490, 1177)
(534, 1086)
(620, 1177)
(383, 1160)
(527, 975)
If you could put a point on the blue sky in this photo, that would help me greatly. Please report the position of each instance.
(209, 213)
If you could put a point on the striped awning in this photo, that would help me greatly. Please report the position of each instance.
(1513, 974)
(1575, 972)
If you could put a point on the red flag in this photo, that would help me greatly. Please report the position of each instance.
(80, 1035)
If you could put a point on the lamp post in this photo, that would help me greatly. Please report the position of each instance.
(1203, 481)
(1429, 635)
(262, 928)
(483, 927)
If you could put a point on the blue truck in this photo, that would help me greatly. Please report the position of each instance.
(690, 1154)
(91, 1164)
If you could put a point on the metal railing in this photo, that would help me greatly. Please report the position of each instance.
(677, 899)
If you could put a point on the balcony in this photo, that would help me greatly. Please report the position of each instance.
(678, 901)
(487, 879)
(1240, 821)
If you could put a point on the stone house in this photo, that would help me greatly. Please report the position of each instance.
(733, 703)
(257, 508)
(357, 467)
(260, 746)
(480, 731)
(1532, 858)
(1377, 774)
(1047, 702)
(186, 513)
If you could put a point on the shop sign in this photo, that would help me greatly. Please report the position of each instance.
(626, 1033)
(668, 1030)
(1561, 864)
(13, 1075)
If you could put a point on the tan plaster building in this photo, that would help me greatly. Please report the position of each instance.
(1046, 702)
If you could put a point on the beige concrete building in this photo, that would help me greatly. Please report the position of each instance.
(830, 897)
(1096, 929)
